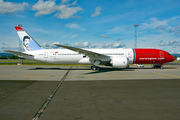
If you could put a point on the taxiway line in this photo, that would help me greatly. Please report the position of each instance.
(43, 107)
(166, 75)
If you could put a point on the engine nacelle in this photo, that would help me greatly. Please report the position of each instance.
(120, 62)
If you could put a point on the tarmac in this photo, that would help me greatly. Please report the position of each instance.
(30, 92)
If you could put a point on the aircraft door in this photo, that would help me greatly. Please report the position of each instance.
(45, 54)
(129, 54)
(161, 54)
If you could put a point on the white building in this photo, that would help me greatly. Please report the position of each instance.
(178, 58)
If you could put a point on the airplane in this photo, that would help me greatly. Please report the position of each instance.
(117, 58)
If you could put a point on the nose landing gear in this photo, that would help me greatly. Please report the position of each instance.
(157, 66)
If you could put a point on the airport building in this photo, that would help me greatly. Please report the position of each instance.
(178, 58)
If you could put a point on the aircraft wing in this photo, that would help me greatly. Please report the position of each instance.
(82, 51)
(18, 53)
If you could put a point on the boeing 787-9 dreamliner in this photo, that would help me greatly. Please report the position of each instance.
(117, 58)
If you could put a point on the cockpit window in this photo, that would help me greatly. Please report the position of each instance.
(169, 54)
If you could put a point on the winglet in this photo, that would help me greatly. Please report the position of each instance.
(18, 28)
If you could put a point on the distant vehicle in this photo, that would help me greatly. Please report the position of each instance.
(117, 58)
(140, 65)
(157, 66)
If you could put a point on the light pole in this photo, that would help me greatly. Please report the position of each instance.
(135, 35)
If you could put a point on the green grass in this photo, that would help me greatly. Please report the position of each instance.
(16, 61)
(31, 62)
(176, 61)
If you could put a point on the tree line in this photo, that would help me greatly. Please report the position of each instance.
(175, 57)
(8, 57)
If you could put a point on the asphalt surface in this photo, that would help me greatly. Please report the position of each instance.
(77, 93)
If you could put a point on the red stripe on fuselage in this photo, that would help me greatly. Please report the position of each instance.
(152, 56)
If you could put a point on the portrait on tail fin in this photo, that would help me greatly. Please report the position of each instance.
(26, 41)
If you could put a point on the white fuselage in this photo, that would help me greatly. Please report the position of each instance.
(65, 56)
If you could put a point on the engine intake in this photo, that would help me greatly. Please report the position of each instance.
(120, 62)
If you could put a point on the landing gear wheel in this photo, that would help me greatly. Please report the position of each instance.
(91, 67)
(98, 68)
(94, 68)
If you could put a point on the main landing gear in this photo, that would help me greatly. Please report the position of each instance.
(95, 66)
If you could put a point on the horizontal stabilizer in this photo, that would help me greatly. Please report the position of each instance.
(18, 53)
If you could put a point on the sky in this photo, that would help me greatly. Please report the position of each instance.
(92, 23)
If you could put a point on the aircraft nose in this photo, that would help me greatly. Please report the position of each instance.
(172, 58)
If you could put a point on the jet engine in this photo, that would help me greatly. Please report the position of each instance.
(120, 62)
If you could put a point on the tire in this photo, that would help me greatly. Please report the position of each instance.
(98, 68)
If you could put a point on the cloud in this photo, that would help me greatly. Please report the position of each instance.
(75, 26)
(83, 45)
(97, 12)
(118, 30)
(87, 44)
(170, 43)
(115, 30)
(6, 48)
(10, 48)
(44, 8)
(64, 1)
(118, 45)
(162, 44)
(175, 52)
(9, 7)
(50, 46)
(119, 39)
(174, 29)
(66, 12)
(55, 43)
(154, 23)
(63, 11)
(94, 46)
(160, 27)
(113, 45)
(73, 36)
(107, 45)
(104, 36)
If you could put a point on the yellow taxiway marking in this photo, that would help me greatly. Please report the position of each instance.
(167, 75)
